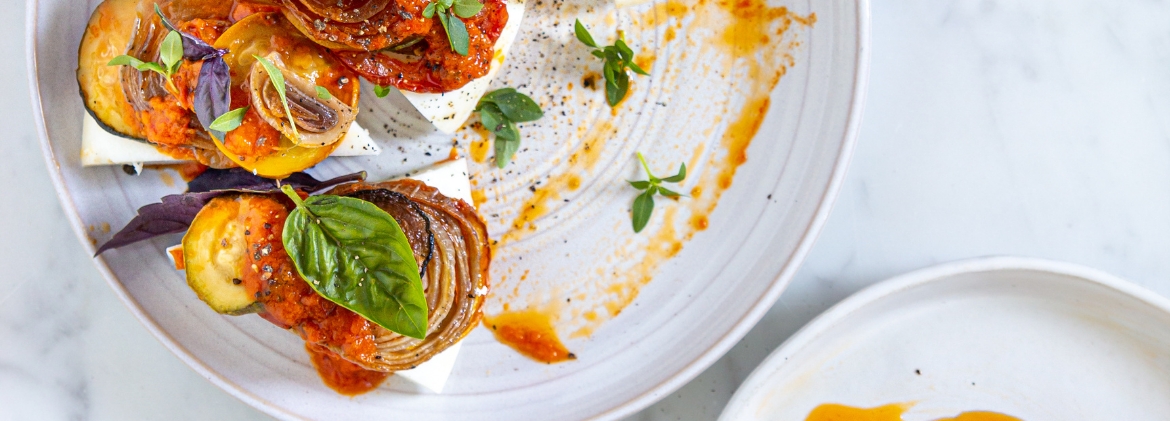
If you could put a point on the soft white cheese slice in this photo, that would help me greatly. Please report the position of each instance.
(448, 111)
(451, 179)
(99, 147)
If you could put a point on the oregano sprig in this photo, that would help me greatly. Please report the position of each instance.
(618, 57)
(170, 55)
(499, 111)
(644, 203)
(449, 13)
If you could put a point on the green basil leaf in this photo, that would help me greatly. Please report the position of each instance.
(682, 174)
(171, 51)
(640, 185)
(466, 8)
(491, 117)
(229, 121)
(323, 93)
(583, 34)
(277, 79)
(599, 54)
(381, 91)
(507, 143)
(356, 255)
(516, 106)
(429, 11)
(456, 33)
(643, 207)
(445, 4)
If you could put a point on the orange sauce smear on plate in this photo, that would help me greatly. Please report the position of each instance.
(530, 333)
(891, 412)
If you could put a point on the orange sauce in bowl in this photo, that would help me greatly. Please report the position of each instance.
(891, 412)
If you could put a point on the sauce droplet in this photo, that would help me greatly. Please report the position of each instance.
(530, 333)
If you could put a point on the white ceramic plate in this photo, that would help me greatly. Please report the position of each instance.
(1034, 339)
(643, 313)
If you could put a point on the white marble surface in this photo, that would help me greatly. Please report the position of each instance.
(1037, 128)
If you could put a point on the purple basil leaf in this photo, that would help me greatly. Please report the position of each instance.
(239, 179)
(213, 96)
(174, 214)
(193, 48)
(229, 179)
(177, 211)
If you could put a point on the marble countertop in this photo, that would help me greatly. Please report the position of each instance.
(991, 128)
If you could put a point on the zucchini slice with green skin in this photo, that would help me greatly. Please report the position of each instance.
(107, 36)
(215, 252)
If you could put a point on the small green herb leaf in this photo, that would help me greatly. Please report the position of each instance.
(644, 203)
(583, 34)
(323, 93)
(516, 106)
(637, 69)
(640, 185)
(618, 58)
(499, 111)
(142, 66)
(277, 79)
(449, 13)
(466, 8)
(616, 88)
(356, 255)
(667, 192)
(457, 34)
(381, 91)
(506, 145)
(643, 207)
(229, 121)
(682, 174)
(171, 52)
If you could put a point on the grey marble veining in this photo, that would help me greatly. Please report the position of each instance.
(992, 127)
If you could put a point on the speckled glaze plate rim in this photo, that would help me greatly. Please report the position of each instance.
(761, 379)
(718, 349)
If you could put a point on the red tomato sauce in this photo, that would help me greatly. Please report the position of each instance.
(333, 334)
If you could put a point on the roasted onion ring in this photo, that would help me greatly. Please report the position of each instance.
(364, 25)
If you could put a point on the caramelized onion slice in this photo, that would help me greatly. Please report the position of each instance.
(346, 11)
(320, 122)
